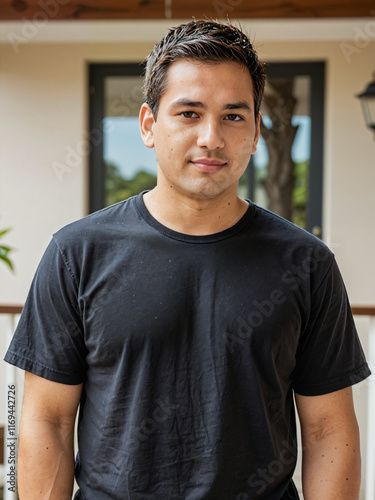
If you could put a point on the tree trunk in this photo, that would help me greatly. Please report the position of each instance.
(279, 139)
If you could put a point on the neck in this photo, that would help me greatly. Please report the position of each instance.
(194, 215)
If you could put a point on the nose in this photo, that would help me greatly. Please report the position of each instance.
(210, 135)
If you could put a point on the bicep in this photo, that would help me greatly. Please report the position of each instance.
(45, 400)
(326, 414)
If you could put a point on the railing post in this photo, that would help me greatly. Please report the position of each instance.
(11, 432)
(370, 465)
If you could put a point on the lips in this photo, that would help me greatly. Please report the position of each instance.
(208, 164)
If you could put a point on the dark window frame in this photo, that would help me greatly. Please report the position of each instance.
(97, 74)
(316, 72)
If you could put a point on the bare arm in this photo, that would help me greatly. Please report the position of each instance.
(331, 467)
(45, 455)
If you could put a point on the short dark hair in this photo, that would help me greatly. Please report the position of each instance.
(206, 41)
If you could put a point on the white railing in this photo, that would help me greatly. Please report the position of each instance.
(13, 313)
(10, 436)
(370, 435)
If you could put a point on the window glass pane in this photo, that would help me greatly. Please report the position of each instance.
(130, 167)
(279, 175)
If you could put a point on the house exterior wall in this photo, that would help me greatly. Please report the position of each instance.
(43, 117)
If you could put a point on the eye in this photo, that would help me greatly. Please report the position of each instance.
(189, 114)
(233, 117)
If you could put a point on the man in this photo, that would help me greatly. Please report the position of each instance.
(184, 319)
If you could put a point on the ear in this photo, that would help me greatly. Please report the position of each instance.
(257, 134)
(146, 123)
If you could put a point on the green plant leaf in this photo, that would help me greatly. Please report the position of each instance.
(4, 231)
(6, 249)
(5, 259)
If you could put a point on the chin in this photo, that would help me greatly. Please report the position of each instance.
(207, 192)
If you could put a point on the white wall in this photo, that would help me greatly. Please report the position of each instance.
(43, 111)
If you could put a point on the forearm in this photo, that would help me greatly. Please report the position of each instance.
(45, 462)
(332, 466)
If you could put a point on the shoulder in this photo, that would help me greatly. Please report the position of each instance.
(290, 247)
(95, 240)
(275, 228)
(272, 224)
(98, 224)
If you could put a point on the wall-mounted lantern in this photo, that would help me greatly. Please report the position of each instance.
(368, 105)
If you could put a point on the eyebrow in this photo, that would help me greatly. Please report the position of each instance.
(198, 104)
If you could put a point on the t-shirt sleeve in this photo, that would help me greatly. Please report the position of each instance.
(49, 339)
(329, 355)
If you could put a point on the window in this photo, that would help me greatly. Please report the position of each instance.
(285, 175)
(120, 164)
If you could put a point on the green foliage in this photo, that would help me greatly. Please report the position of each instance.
(301, 173)
(118, 188)
(300, 191)
(4, 250)
(243, 185)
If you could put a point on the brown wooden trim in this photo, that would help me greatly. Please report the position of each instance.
(363, 310)
(356, 310)
(4, 309)
(41, 11)
(272, 9)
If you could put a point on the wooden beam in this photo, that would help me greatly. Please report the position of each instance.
(357, 310)
(58, 10)
(10, 309)
(272, 9)
(363, 310)
(38, 10)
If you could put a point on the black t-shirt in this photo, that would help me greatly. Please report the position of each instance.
(189, 348)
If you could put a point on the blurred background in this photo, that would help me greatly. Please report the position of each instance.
(70, 93)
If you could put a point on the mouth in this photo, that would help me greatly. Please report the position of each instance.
(208, 164)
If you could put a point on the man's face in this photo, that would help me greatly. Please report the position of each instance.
(205, 130)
